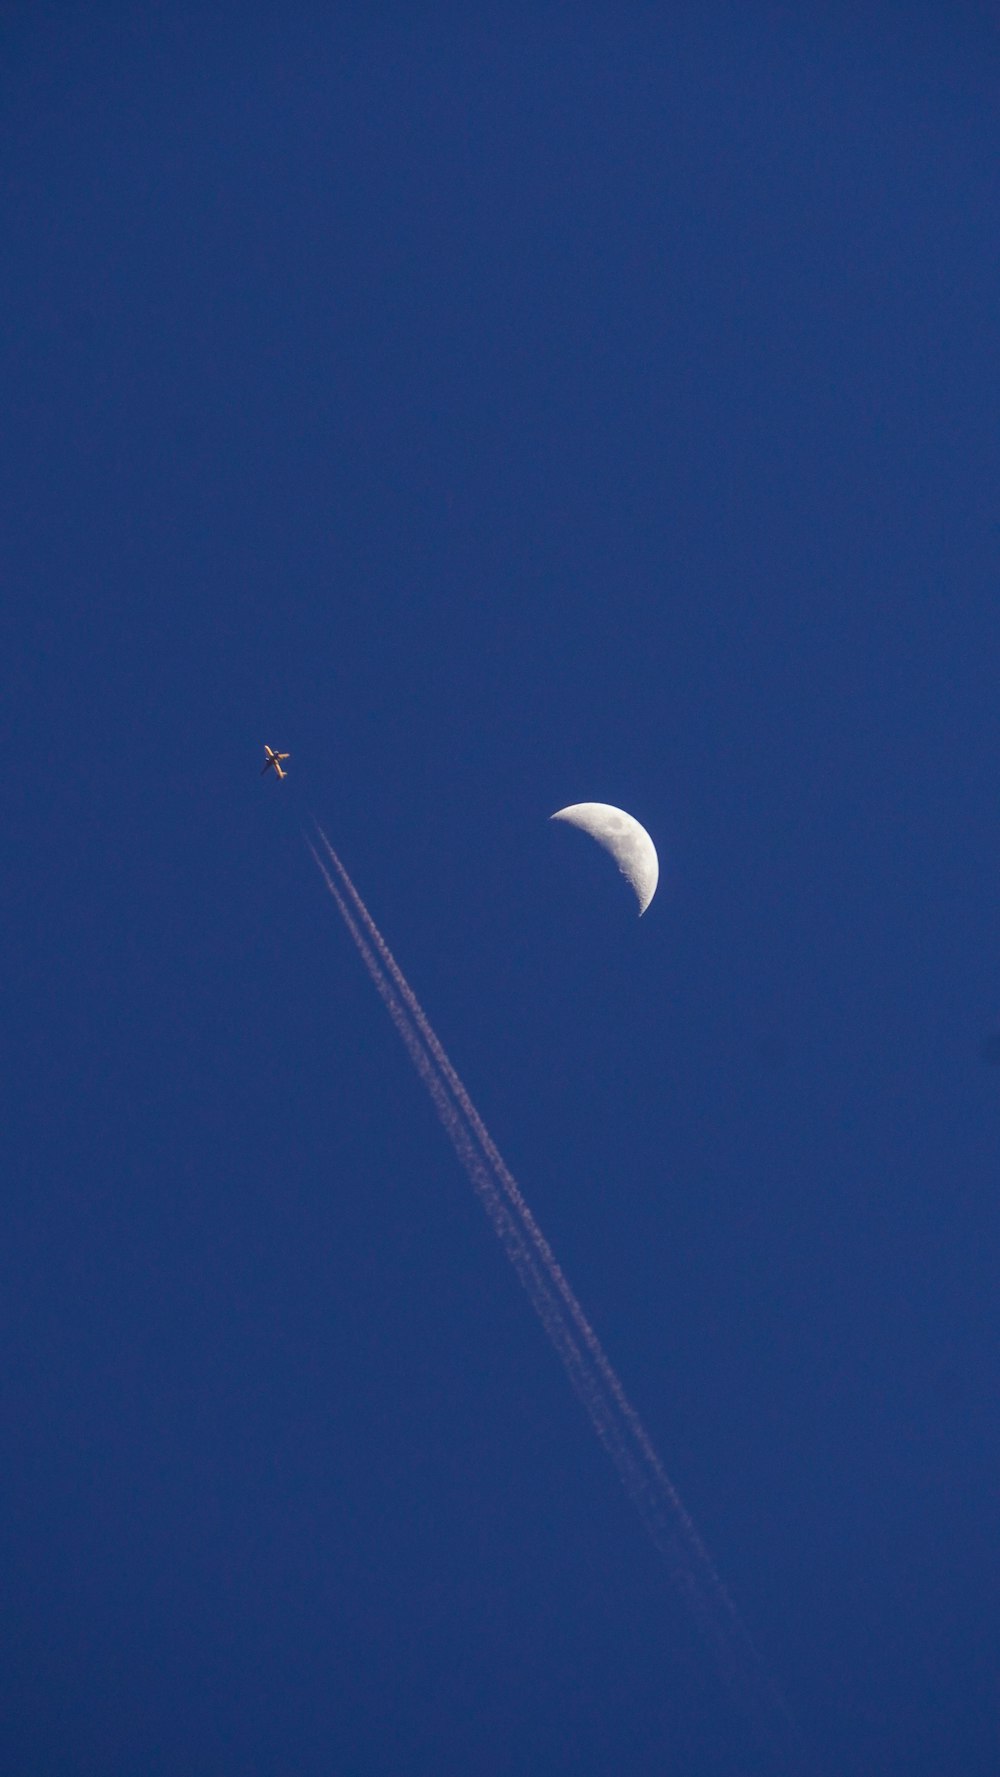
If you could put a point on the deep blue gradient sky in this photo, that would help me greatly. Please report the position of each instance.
(497, 411)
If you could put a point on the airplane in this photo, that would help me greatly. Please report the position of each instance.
(275, 760)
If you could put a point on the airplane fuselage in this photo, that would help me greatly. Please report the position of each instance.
(274, 759)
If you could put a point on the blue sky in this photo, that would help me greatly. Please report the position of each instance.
(498, 412)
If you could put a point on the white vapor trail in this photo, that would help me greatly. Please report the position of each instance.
(612, 1415)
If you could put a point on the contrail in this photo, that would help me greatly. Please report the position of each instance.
(482, 1180)
(535, 1235)
(612, 1415)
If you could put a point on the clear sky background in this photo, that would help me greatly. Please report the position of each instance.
(497, 407)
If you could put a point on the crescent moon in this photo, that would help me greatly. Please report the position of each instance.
(626, 840)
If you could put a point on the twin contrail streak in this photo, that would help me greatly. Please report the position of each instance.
(611, 1413)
